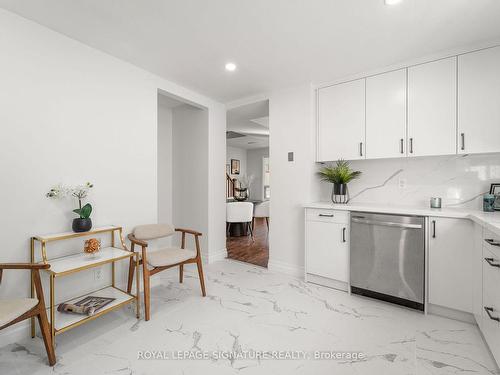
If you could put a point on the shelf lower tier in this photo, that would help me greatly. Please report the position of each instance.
(66, 321)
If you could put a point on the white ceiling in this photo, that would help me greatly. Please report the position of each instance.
(275, 43)
(251, 120)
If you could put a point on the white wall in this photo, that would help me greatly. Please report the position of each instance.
(190, 171)
(292, 183)
(238, 154)
(72, 114)
(165, 155)
(255, 167)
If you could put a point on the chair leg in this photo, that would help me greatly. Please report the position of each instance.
(267, 223)
(131, 269)
(200, 274)
(253, 223)
(228, 229)
(147, 295)
(251, 230)
(47, 338)
(181, 272)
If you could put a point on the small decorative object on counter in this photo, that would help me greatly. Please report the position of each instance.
(83, 223)
(92, 246)
(339, 174)
(435, 202)
(495, 190)
(488, 203)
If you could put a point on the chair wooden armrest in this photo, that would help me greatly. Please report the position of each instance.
(24, 266)
(189, 231)
(136, 241)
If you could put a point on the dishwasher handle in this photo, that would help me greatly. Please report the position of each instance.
(386, 223)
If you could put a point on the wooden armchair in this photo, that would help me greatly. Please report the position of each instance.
(15, 310)
(158, 260)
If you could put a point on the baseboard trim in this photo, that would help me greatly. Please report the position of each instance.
(330, 283)
(215, 256)
(286, 268)
(451, 313)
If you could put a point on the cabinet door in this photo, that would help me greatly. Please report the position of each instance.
(386, 115)
(432, 99)
(327, 250)
(478, 101)
(450, 255)
(341, 121)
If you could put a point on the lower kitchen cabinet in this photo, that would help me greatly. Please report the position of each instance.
(327, 247)
(451, 245)
(489, 323)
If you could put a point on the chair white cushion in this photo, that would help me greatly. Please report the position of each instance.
(153, 231)
(11, 309)
(261, 209)
(168, 256)
(239, 212)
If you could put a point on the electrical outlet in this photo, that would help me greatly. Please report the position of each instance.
(402, 183)
(97, 274)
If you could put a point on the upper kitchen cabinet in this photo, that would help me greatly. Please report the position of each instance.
(432, 109)
(478, 101)
(386, 115)
(341, 121)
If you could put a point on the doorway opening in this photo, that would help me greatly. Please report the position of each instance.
(248, 190)
(182, 182)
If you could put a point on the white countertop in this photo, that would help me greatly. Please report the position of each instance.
(490, 220)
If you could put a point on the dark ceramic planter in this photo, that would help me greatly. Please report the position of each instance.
(340, 189)
(81, 225)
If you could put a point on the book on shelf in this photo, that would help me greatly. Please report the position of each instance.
(86, 306)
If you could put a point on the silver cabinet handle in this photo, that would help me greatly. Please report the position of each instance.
(343, 234)
(386, 223)
(462, 138)
(401, 147)
(433, 228)
(491, 262)
(489, 310)
(325, 215)
(492, 242)
(360, 148)
(411, 145)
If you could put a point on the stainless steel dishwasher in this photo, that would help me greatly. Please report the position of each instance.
(388, 258)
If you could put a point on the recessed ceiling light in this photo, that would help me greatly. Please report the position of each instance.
(230, 67)
(391, 2)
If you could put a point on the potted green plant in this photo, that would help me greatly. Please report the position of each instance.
(339, 174)
(83, 223)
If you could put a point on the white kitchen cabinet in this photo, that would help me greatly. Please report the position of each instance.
(386, 115)
(432, 99)
(341, 121)
(451, 250)
(327, 246)
(478, 101)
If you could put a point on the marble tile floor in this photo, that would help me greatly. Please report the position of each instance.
(250, 308)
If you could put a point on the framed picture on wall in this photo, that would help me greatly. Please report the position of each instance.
(495, 190)
(235, 166)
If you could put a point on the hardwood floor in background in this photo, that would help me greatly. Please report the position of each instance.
(245, 250)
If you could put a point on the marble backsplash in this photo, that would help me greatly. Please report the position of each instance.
(460, 180)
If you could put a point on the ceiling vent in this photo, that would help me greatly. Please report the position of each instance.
(231, 135)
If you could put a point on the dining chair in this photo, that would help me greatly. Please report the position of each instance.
(239, 212)
(261, 210)
(15, 310)
(155, 261)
